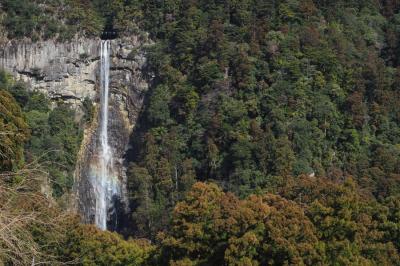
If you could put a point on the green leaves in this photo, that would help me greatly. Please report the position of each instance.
(14, 133)
(42, 20)
(54, 137)
(158, 110)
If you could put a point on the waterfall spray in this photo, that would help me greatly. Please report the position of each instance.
(104, 181)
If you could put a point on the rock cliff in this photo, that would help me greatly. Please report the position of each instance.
(69, 72)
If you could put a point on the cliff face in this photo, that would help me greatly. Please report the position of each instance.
(61, 70)
(69, 72)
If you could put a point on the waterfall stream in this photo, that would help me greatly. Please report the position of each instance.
(104, 180)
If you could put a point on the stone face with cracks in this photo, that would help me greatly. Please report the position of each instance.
(69, 72)
(60, 70)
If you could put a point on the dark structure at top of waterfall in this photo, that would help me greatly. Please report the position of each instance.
(109, 32)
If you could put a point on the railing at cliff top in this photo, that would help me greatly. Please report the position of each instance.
(109, 35)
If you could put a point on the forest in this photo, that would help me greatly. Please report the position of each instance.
(270, 136)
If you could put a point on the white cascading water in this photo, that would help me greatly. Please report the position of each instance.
(104, 181)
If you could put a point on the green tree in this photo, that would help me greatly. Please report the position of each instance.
(14, 132)
(213, 227)
(88, 245)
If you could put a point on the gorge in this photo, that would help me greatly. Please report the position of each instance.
(109, 73)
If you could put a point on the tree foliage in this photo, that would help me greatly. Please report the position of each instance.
(14, 132)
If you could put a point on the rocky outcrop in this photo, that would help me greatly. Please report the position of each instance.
(61, 70)
(69, 72)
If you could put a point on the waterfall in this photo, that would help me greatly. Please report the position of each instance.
(104, 181)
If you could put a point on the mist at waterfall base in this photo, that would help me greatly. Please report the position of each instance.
(103, 177)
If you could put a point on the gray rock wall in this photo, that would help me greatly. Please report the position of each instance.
(61, 70)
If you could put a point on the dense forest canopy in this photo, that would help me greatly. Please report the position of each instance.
(249, 93)
(270, 134)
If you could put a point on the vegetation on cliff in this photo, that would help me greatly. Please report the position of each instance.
(65, 19)
(44, 135)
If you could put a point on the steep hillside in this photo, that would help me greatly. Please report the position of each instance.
(269, 132)
(249, 93)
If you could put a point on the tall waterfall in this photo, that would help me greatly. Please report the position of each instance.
(104, 181)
